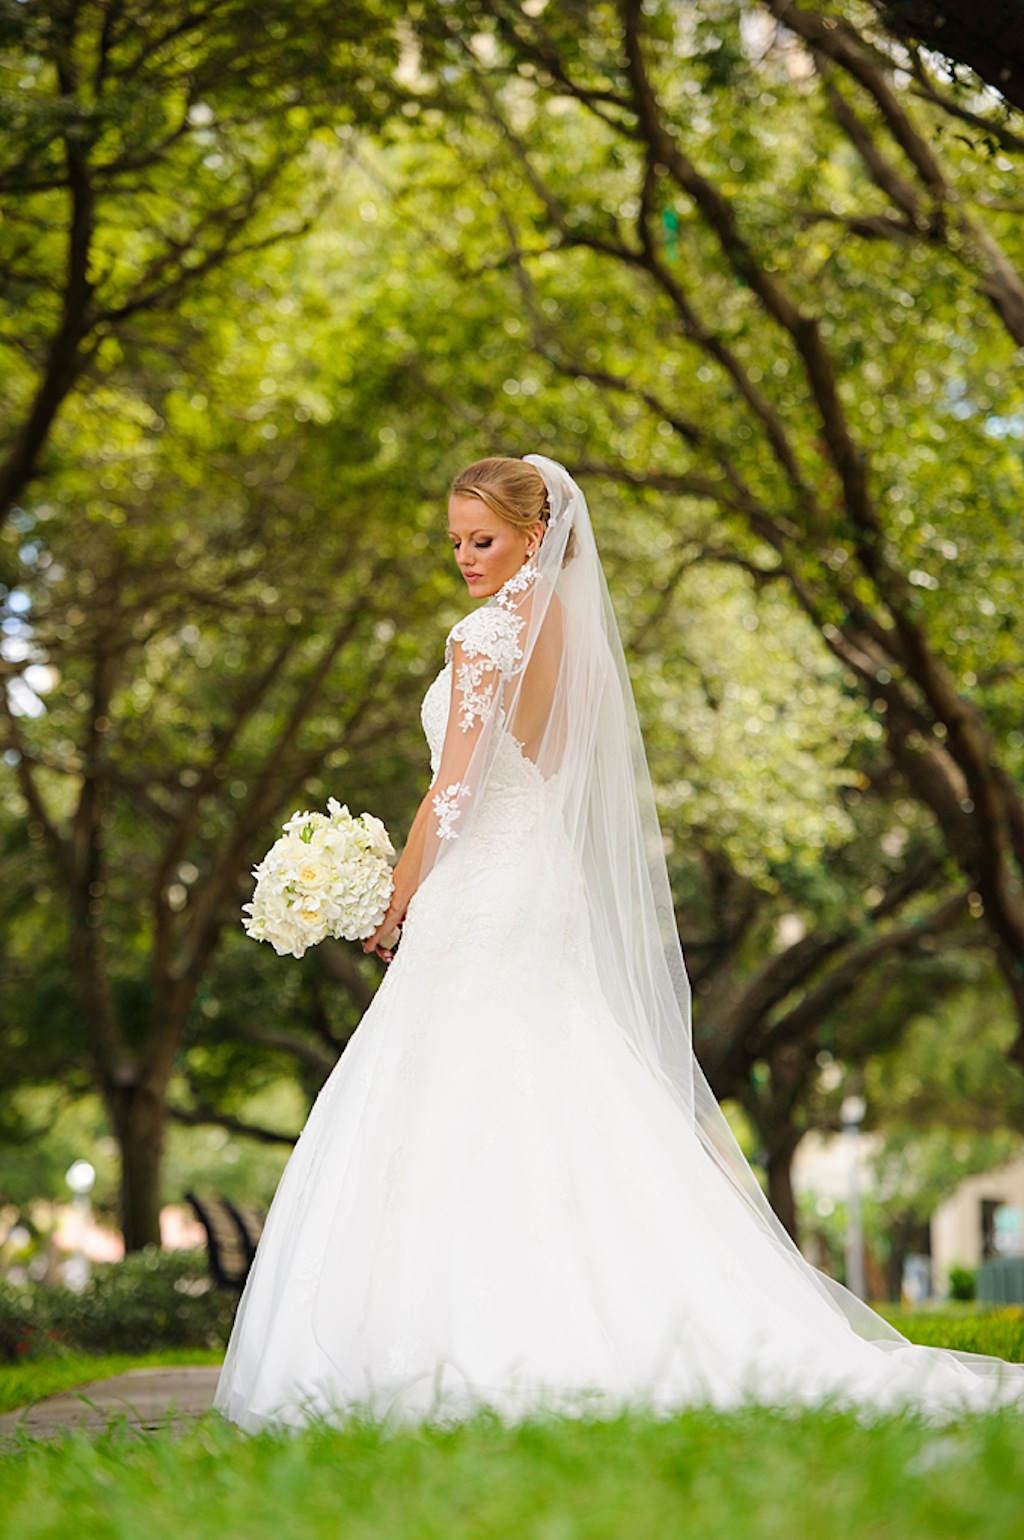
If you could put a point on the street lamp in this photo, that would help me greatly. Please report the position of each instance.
(80, 1177)
(852, 1113)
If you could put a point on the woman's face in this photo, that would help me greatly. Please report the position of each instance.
(488, 550)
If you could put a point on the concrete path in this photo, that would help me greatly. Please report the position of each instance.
(147, 1400)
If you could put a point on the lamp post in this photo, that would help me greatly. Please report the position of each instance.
(852, 1113)
(80, 1177)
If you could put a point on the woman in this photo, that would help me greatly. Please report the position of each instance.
(516, 1189)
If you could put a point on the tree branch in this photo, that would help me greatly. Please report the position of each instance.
(848, 458)
(806, 1016)
(203, 1116)
(299, 1048)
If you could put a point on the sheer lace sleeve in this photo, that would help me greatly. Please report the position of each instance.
(483, 650)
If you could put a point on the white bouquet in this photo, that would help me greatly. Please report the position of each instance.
(328, 875)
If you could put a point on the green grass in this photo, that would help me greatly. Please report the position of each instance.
(755, 1474)
(972, 1329)
(749, 1475)
(22, 1383)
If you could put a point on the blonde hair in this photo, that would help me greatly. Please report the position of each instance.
(513, 489)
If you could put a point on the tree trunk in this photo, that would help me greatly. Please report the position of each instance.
(989, 38)
(900, 1232)
(1011, 966)
(64, 366)
(138, 1113)
(779, 1164)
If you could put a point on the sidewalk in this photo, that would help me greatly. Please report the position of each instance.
(147, 1400)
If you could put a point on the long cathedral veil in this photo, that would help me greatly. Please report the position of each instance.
(376, 1269)
(569, 706)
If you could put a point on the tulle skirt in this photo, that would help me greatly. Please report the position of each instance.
(495, 1204)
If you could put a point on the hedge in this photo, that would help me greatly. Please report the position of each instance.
(153, 1299)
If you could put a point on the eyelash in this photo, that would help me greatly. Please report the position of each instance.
(481, 545)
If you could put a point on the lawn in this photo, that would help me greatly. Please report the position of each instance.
(971, 1328)
(755, 1474)
(752, 1475)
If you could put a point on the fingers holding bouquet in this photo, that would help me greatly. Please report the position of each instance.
(385, 938)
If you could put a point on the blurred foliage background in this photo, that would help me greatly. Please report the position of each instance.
(755, 273)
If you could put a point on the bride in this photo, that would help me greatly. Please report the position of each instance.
(516, 1189)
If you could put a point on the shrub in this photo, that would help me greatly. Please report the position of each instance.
(151, 1300)
(963, 1282)
(19, 1330)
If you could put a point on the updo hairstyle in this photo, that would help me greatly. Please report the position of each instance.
(513, 489)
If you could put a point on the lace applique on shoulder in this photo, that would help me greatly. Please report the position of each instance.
(489, 633)
(489, 640)
(488, 651)
(447, 810)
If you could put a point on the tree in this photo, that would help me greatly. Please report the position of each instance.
(990, 42)
(146, 149)
(801, 315)
(671, 326)
(949, 1105)
(779, 807)
(812, 999)
(210, 620)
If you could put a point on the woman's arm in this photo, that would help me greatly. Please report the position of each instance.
(406, 879)
(476, 676)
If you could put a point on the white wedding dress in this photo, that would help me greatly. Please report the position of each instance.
(495, 1202)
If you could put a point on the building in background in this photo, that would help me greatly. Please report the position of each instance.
(982, 1221)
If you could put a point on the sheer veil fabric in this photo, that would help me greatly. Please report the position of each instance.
(569, 703)
(517, 1186)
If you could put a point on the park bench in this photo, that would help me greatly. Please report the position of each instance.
(232, 1231)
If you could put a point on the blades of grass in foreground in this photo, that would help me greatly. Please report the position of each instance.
(752, 1475)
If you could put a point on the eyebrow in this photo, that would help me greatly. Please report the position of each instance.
(472, 532)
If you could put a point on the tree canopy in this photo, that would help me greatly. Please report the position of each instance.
(267, 282)
(806, 335)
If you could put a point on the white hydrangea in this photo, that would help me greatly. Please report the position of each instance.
(329, 874)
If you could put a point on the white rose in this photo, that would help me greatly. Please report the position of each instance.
(313, 873)
(379, 839)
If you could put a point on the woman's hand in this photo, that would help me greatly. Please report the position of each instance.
(388, 928)
(405, 879)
